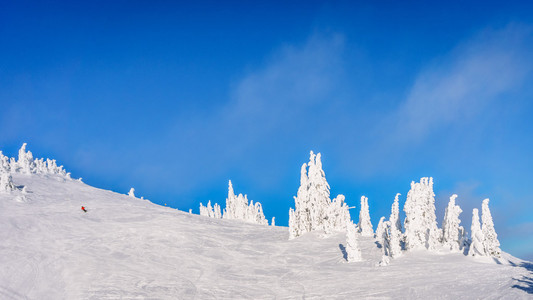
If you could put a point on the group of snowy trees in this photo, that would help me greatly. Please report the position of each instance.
(237, 208)
(26, 164)
(484, 240)
(421, 231)
(314, 210)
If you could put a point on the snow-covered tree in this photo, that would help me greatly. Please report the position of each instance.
(26, 164)
(273, 222)
(380, 230)
(386, 246)
(131, 193)
(314, 209)
(394, 239)
(394, 232)
(477, 238)
(6, 183)
(451, 231)
(353, 252)
(395, 213)
(255, 214)
(237, 208)
(365, 226)
(5, 166)
(421, 229)
(25, 161)
(294, 228)
(490, 242)
(217, 213)
(338, 215)
(211, 211)
(206, 211)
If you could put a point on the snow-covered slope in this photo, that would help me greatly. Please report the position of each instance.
(129, 248)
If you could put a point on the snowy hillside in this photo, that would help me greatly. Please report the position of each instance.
(125, 247)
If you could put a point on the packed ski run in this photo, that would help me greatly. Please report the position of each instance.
(120, 246)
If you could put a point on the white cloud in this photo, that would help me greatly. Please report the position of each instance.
(461, 84)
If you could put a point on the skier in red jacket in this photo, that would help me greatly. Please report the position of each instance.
(83, 208)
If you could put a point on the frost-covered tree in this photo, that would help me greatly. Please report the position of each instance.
(294, 228)
(6, 183)
(314, 209)
(380, 230)
(365, 225)
(394, 232)
(395, 213)
(394, 237)
(255, 214)
(131, 193)
(203, 210)
(477, 238)
(421, 229)
(386, 246)
(338, 215)
(217, 213)
(25, 162)
(451, 230)
(206, 211)
(490, 242)
(236, 205)
(237, 208)
(5, 166)
(211, 211)
(353, 252)
(273, 222)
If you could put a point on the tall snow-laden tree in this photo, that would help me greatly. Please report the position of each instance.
(318, 199)
(273, 222)
(6, 183)
(338, 215)
(451, 230)
(237, 208)
(353, 252)
(314, 209)
(5, 166)
(395, 213)
(394, 238)
(490, 242)
(294, 229)
(131, 193)
(26, 164)
(380, 230)
(386, 246)
(395, 230)
(25, 161)
(477, 238)
(421, 229)
(217, 213)
(203, 210)
(365, 226)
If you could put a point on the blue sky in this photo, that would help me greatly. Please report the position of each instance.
(175, 99)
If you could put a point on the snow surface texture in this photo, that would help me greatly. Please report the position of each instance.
(124, 247)
(127, 248)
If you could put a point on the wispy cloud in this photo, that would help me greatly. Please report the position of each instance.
(269, 110)
(461, 84)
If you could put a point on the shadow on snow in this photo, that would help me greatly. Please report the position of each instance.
(526, 282)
